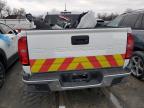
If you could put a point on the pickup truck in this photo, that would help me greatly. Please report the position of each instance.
(69, 59)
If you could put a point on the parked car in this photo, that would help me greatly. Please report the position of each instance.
(75, 58)
(135, 20)
(8, 49)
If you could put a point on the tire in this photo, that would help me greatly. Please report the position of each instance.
(2, 74)
(137, 65)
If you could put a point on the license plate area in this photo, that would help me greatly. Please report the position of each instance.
(80, 79)
(75, 77)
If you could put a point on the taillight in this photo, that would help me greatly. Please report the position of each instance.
(23, 51)
(130, 46)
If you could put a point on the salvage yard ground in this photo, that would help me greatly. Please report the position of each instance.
(12, 95)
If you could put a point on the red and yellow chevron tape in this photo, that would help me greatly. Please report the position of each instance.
(76, 63)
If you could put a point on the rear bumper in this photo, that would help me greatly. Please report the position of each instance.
(54, 81)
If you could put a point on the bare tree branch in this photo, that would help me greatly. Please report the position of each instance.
(2, 6)
(8, 10)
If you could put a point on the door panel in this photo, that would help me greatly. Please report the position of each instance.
(11, 39)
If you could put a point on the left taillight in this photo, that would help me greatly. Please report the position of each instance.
(23, 50)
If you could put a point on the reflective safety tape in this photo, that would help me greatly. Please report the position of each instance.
(76, 63)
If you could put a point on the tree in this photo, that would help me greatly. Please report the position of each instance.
(2, 7)
(19, 12)
(107, 17)
(54, 11)
(22, 11)
(8, 10)
(40, 17)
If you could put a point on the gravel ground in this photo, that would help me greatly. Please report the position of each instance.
(131, 93)
(12, 95)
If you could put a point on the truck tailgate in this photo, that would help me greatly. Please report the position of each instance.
(82, 49)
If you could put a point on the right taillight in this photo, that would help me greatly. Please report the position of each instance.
(130, 46)
(23, 50)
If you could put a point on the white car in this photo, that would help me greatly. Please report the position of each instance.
(18, 23)
(8, 49)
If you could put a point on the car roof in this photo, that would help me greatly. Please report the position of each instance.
(134, 11)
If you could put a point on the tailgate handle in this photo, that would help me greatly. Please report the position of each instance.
(80, 40)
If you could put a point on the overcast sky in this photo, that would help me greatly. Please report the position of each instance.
(38, 7)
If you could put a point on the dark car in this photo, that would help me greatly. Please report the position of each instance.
(135, 20)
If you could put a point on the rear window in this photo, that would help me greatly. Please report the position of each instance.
(116, 21)
(129, 20)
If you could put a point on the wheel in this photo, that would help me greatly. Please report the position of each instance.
(2, 74)
(137, 65)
